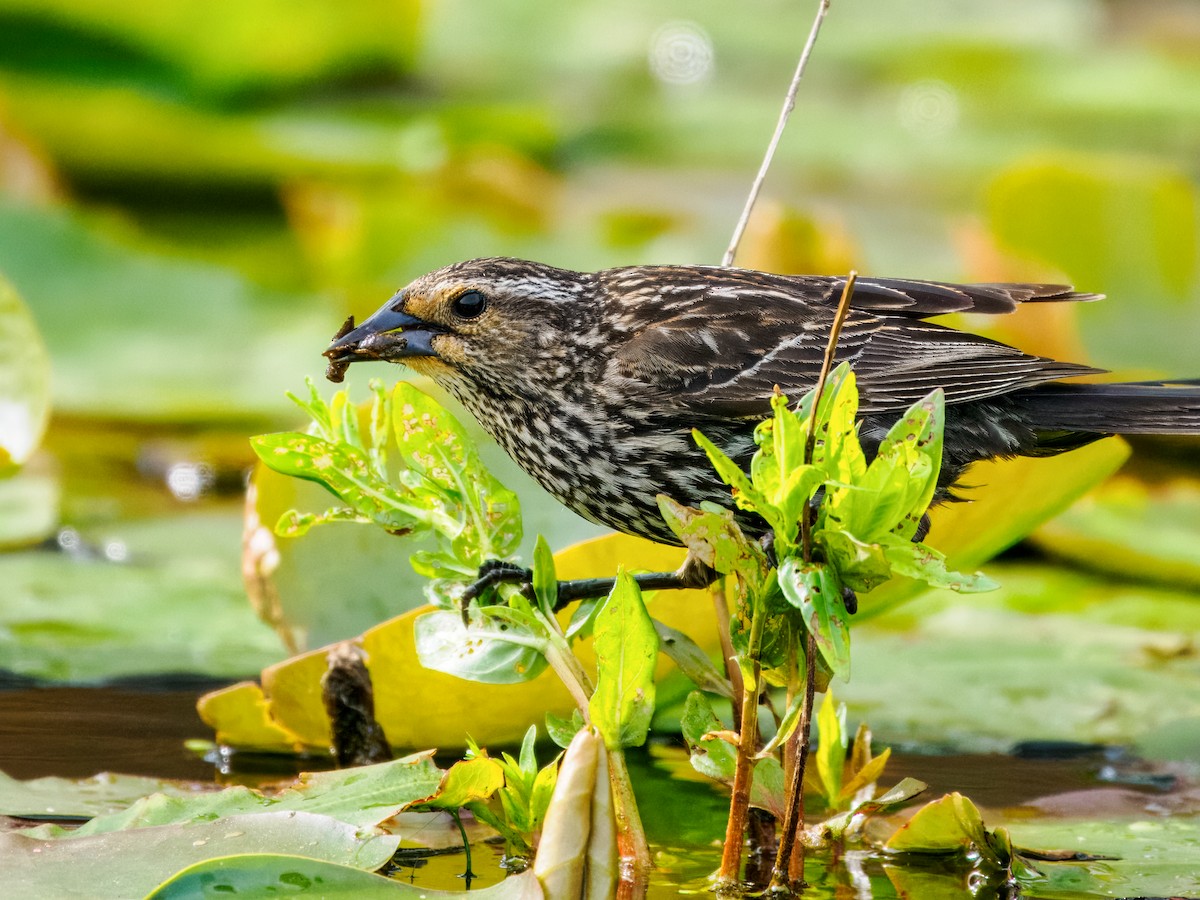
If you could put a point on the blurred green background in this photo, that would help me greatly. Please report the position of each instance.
(193, 195)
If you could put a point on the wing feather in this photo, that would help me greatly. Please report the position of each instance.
(717, 341)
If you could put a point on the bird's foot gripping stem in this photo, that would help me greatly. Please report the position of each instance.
(692, 575)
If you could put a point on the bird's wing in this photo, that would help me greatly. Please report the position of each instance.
(719, 346)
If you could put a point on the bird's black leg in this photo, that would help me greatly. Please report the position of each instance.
(693, 574)
(491, 573)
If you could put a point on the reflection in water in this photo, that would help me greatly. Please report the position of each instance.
(76, 732)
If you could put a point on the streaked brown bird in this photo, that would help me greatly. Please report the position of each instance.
(593, 381)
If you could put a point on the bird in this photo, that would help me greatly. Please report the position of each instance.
(593, 381)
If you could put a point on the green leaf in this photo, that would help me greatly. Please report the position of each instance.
(294, 523)
(949, 825)
(363, 796)
(831, 747)
(545, 581)
(716, 759)
(692, 660)
(815, 590)
(486, 655)
(837, 451)
(438, 447)
(583, 619)
(263, 874)
(716, 539)
(892, 494)
(127, 864)
(626, 650)
(861, 566)
(922, 562)
(867, 775)
(346, 472)
(528, 759)
(467, 781)
(920, 430)
(745, 494)
(562, 729)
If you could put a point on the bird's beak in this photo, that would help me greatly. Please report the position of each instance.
(390, 334)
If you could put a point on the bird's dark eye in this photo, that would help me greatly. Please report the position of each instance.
(468, 305)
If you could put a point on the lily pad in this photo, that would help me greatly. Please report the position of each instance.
(1052, 654)
(364, 797)
(1122, 226)
(1004, 501)
(1132, 531)
(68, 798)
(29, 501)
(1150, 857)
(80, 618)
(127, 864)
(230, 56)
(146, 350)
(263, 874)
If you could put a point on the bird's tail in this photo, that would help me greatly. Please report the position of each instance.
(1143, 407)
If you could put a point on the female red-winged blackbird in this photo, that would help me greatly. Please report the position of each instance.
(593, 381)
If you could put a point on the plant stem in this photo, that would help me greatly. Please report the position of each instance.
(789, 103)
(743, 773)
(810, 444)
(721, 607)
(789, 864)
(571, 673)
(467, 874)
(635, 849)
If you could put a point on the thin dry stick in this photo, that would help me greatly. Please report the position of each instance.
(810, 445)
(789, 104)
(789, 864)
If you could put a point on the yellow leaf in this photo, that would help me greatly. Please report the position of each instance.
(420, 708)
(241, 717)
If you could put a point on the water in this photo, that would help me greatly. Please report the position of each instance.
(139, 727)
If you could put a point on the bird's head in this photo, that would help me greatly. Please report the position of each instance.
(481, 322)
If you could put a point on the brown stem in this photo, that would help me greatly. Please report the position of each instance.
(789, 864)
(810, 444)
(631, 837)
(743, 773)
(721, 607)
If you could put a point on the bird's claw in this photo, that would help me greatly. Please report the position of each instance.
(493, 572)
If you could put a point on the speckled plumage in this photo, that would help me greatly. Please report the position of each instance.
(592, 382)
